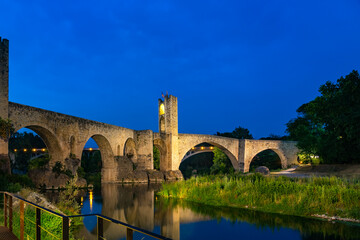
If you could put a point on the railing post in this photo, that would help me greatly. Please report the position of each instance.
(22, 217)
(10, 214)
(5, 210)
(38, 224)
(129, 234)
(100, 228)
(65, 228)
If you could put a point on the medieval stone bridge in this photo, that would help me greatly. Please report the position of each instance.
(127, 155)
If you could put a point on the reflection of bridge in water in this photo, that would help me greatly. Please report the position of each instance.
(136, 205)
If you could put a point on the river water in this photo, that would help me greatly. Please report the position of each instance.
(138, 205)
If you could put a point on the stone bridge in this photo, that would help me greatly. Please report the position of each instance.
(127, 155)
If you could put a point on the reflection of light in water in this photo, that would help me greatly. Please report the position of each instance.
(91, 200)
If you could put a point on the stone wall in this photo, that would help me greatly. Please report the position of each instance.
(4, 98)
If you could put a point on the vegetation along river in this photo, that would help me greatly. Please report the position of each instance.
(138, 205)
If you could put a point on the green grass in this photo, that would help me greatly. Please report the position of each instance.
(51, 223)
(302, 197)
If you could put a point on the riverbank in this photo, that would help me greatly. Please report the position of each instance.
(309, 197)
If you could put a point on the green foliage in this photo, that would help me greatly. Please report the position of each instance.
(50, 223)
(59, 169)
(20, 141)
(81, 173)
(156, 154)
(14, 182)
(25, 140)
(91, 161)
(91, 165)
(67, 197)
(39, 162)
(239, 133)
(222, 163)
(199, 163)
(303, 196)
(6, 129)
(329, 125)
(275, 137)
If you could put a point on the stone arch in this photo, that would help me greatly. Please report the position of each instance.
(232, 158)
(52, 143)
(107, 155)
(130, 150)
(279, 152)
(109, 167)
(160, 144)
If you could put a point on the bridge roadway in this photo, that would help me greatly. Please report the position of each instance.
(5, 234)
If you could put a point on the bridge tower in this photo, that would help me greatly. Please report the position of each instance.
(4, 100)
(168, 129)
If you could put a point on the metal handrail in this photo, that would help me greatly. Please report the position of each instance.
(65, 220)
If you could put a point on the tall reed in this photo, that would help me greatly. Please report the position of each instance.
(331, 196)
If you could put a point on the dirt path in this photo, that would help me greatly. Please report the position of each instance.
(339, 170)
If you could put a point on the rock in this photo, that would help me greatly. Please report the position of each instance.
(42, 201)
(173, 175)
(155, 176)
(51, 179)
(139, 176)
(72, 164)
(263, 170)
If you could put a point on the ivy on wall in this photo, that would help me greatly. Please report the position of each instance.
(6, 129)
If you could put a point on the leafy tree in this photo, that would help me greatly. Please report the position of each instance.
(222, 163)
(6, 129)
(239, 133)
(329, 125)
(156, 158)
(275, 137)
(22, 141)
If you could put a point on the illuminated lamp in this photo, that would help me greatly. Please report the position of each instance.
(162, 109)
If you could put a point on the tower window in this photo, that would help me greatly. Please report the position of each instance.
(162, 109)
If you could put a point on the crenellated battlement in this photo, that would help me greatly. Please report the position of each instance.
(4, 42)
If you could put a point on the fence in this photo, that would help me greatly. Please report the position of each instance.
(31, 222)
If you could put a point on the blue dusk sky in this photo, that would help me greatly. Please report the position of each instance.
(230, 63)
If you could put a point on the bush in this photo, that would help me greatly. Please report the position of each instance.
(39, 162)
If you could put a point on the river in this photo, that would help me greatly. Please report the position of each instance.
(138, 205)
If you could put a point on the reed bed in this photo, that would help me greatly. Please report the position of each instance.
(330, 196)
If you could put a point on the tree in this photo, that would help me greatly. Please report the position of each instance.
(329, 125)
(6, 129)
(239, 133)
(221, 164)
(275, 137)
(156, 155)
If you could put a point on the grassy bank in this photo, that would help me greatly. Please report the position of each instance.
(302, 197)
